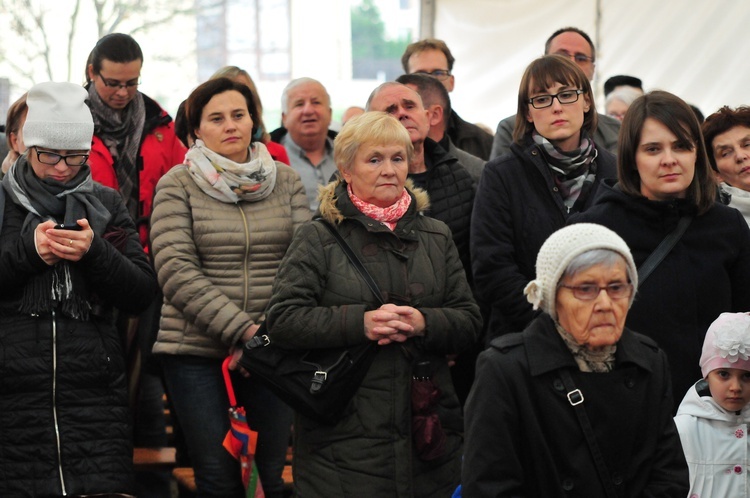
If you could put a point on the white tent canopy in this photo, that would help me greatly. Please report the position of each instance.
(694, 48)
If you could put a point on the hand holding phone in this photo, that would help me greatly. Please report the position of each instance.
(63, 226)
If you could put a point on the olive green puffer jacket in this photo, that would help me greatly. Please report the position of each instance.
(319, 301)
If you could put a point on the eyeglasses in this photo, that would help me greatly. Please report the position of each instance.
(564, 97)
(440, 74)
(589, 292)
(51, 158)
(578, 58)
(116, 84)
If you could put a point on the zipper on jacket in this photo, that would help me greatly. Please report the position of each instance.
(247, 254)
(54, 402)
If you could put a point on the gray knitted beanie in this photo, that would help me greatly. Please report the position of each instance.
(58, 117)
(560, 249)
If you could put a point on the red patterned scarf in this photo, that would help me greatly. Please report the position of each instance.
(389, 216)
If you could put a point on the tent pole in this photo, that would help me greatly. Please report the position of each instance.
(426, 19)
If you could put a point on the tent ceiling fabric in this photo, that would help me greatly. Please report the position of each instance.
(695, 49)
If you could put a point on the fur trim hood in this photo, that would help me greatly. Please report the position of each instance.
(330, 211)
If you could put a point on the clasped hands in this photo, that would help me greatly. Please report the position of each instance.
(392, 323)
(54, 245)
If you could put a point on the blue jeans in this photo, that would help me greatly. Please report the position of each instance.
(196, 388)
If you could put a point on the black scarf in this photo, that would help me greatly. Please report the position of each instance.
(63, 284)
(121, 131)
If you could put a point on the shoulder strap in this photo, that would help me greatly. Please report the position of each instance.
(575, 397)
(663, 249)
(353, 259)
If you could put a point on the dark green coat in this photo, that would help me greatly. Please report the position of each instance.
(319, 301)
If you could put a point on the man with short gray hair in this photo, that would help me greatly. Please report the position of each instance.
(305, 118)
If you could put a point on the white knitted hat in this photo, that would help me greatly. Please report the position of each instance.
(560, 249)
(727, 343)
(58, 117)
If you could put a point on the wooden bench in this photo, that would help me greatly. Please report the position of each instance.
(154, 458)
(185, 478)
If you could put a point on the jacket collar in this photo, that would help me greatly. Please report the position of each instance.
(335, 206)
(546, 350)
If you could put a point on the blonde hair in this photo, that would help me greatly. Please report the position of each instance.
(370, 128)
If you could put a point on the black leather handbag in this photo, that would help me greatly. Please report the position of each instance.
(318, 383)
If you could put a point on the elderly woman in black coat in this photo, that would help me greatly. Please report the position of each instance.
(69, 255)
(573, 384)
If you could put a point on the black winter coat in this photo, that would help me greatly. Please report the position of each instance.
(451, 192)
(64, 418)
(469, 137)
(705, 274)
(523, 437)
(516, 208)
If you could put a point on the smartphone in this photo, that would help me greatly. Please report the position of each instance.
(63, 226)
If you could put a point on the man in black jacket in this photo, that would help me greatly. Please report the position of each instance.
(432, 57)
(448, 184)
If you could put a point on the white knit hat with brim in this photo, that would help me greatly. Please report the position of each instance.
(560, 249)
(727, 343)
(58, 117)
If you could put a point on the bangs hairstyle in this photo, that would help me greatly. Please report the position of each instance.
(370, 128)
(544, 72)
(720, 122)
(201, 96)
(679, 118)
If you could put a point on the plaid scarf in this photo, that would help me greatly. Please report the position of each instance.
(121, 131)
(574, 171)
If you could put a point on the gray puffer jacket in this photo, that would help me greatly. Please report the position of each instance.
(319, 301)
(216, 261)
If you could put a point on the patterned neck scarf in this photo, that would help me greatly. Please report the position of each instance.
(121, 131)
(601, 361)
(231, 182)
(574, 171)
(388, 216)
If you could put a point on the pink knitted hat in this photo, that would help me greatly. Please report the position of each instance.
(727, 343)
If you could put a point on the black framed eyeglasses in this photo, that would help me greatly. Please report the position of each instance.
(440, 74)
(116, 84)
(578, 57)
(52, 158)
(564, 97)
(589, 292)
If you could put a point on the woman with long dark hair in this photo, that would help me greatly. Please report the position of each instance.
(665, 184)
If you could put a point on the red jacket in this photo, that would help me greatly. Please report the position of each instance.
(160, 151)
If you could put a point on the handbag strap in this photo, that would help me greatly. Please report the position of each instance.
(354, 259)
(575, 397)
(663, 249)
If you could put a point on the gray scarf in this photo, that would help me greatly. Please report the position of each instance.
(600, 361)
(63, 284)
(122, 131)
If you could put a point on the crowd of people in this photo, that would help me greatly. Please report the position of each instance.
(572, 289)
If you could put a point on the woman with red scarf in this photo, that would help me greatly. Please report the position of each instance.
(389, 442)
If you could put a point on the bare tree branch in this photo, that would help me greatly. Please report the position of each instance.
(71, 34)
(34, 43)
